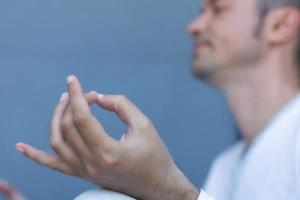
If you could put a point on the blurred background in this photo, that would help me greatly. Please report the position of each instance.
(136, 48)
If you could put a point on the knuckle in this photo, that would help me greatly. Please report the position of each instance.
(91, 171)
(37, 158)
(54, 144)
(53, 166)
(146, 123)
(34, 157)
(109, 161)
(121, 98)
(80, 119)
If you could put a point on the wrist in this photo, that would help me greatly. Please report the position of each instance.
(175, 186)
(184, 189)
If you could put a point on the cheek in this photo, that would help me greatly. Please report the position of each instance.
(223, 39)
(229, 34)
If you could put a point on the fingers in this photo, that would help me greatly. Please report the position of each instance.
(56, 137)
(124, 108)
(70, 132)
(44, 158)
(9, 192)
(73, 137)
(89, 128)
(77, 100)
(65, 139)
(66, 154)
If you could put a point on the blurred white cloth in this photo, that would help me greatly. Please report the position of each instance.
(269, 169)
(109, 195)
(102, 195)
(204, 196)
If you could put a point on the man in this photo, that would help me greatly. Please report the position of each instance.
(248, 49)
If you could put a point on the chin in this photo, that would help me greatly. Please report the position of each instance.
(201, 74)
(204, 72)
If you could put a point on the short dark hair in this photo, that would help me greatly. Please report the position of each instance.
(265, 6)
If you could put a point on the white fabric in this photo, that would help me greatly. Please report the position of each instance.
(204, 196)
(102, 195)
(269, 169)
(109, 195)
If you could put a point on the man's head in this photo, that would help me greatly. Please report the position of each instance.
(235, 35)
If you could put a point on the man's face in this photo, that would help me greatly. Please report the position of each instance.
(226, 37)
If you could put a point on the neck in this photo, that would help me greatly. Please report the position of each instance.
(253, 109)
(256, 99)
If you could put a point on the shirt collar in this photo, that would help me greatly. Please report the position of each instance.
(287, 119)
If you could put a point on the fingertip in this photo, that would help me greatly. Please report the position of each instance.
(4, 186)
(104, 101)
(94, 94)
(100, 96)
(71, 78)
(20, 148)
(74, 86)
(101, 100)
(91, 97)
(20, 144)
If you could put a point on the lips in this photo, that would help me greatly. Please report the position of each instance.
(201, 49)
(199, 46)
(202, 41)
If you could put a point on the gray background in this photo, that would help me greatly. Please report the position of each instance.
(133, 47)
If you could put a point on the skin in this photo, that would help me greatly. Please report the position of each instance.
(85, 150)
(9, 192)
(252, 65)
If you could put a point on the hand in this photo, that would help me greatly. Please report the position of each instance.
(9, 192)
(138, 164)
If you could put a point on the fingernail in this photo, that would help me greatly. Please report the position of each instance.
(70, 79)
(100, 96)
(63, 96)
(20, 149)
(93, 92)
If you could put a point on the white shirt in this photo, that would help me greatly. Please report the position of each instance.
(268, 170)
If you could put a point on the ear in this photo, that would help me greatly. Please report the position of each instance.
(282, 25)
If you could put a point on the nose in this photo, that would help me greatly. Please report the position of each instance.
(198, 25)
